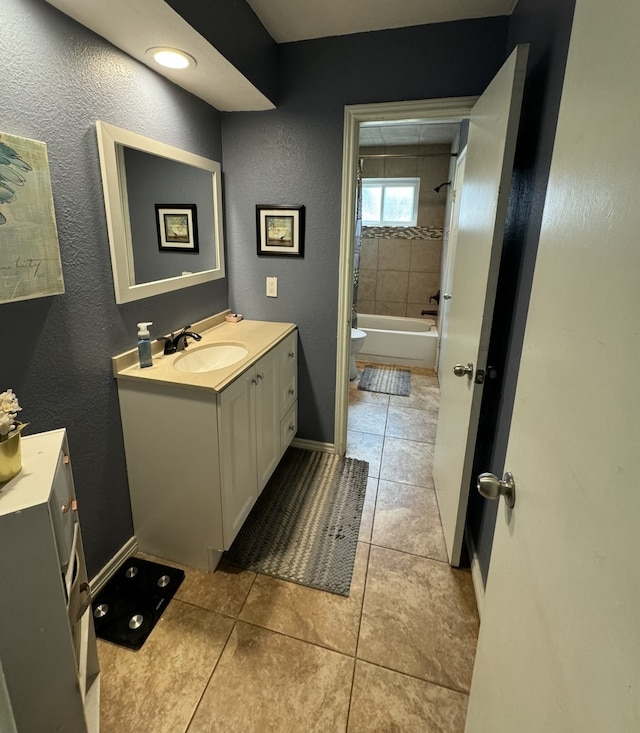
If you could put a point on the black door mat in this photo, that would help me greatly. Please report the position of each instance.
(131, 603)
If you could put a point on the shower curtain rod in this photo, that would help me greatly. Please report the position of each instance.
(411, 155)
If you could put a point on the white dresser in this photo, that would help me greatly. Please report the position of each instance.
(48, 654)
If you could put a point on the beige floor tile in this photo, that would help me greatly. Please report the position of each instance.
(407, 519)
(224, 590)
(366, 447)
(312, 615)
(157, 689)
(368, 417)
(383, 700)
(266, 682)
(360, 395)
(421, 398)
(419, 617)
(424, 378)
(366, 521)
(407, 462)
(412, 424)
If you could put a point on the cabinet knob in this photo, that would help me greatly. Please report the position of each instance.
(70, 505)
(292, 427)
(261, 375)
(254, 381)
(292, 390)
(291, 354)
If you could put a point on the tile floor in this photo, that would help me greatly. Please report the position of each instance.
(241, 652)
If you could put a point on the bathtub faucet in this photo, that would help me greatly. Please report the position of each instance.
(428, 312)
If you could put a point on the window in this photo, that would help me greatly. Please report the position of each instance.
(390, 201)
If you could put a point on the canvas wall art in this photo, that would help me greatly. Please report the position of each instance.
(30, 264)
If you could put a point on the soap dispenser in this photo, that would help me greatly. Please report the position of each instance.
(144, 344)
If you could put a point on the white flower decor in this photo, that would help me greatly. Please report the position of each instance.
(9, 408)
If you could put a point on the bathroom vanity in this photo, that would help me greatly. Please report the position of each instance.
(48, 653)
(201, 445)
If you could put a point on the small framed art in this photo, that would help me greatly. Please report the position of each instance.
(280, 230)
(177, 227)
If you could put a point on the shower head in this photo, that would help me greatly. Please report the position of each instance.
(437, 188)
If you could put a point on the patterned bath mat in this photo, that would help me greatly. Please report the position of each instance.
(131, 603)
(304, 526)
(386, 379)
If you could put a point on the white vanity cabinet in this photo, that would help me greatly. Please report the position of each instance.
(48, 653)
(250, 447)
(197, 459)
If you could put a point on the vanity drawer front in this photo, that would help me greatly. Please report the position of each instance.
(288, 427)
(288, 393)
(289, 352)
(288, 372)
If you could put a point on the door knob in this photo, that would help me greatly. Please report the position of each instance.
(460, 370)
(447, 296)
(491, 487)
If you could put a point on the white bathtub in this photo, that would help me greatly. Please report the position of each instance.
(394, 340)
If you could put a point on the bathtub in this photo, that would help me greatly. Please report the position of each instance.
(394, 340)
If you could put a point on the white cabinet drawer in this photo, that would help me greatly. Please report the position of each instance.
(62, 506)
(288, 392)
(288, 372)
(288, 427)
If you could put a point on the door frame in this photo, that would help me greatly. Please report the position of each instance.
(448, 109)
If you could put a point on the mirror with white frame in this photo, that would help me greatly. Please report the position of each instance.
(164, 214)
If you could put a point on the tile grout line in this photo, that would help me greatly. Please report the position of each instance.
(364, 592)
(215, 666)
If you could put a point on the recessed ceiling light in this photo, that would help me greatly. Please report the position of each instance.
(171, 57)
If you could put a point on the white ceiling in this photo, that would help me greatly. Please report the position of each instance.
(297, 20)
(407, 132)
(136, 25)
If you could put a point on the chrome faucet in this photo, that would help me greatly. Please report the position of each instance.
(173, 343)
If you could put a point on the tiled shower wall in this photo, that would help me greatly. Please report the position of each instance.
(400, 266)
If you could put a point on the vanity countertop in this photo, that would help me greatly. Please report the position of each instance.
(257, 337)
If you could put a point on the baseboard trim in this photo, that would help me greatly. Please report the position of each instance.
(313, 445)
(103, 576)
(476, 574)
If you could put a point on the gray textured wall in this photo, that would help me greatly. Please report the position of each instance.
(57, 79)
(293, 155)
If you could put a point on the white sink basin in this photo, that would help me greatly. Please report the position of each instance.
(209, 358)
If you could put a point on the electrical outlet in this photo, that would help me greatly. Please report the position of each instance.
(272, 287)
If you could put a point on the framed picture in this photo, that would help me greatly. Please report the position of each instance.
(280, 230)
(177, 227)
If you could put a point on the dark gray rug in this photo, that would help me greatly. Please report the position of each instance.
(304, 526)
(386, 379)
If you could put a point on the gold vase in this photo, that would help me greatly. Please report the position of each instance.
(10, 457)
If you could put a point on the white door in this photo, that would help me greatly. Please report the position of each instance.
(493, 130)
(559, 647)
(452, 244)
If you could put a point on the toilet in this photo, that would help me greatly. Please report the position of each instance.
(357, 342)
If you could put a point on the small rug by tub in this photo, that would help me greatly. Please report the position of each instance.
(386, 379)
(131, 603)
(304, 526)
